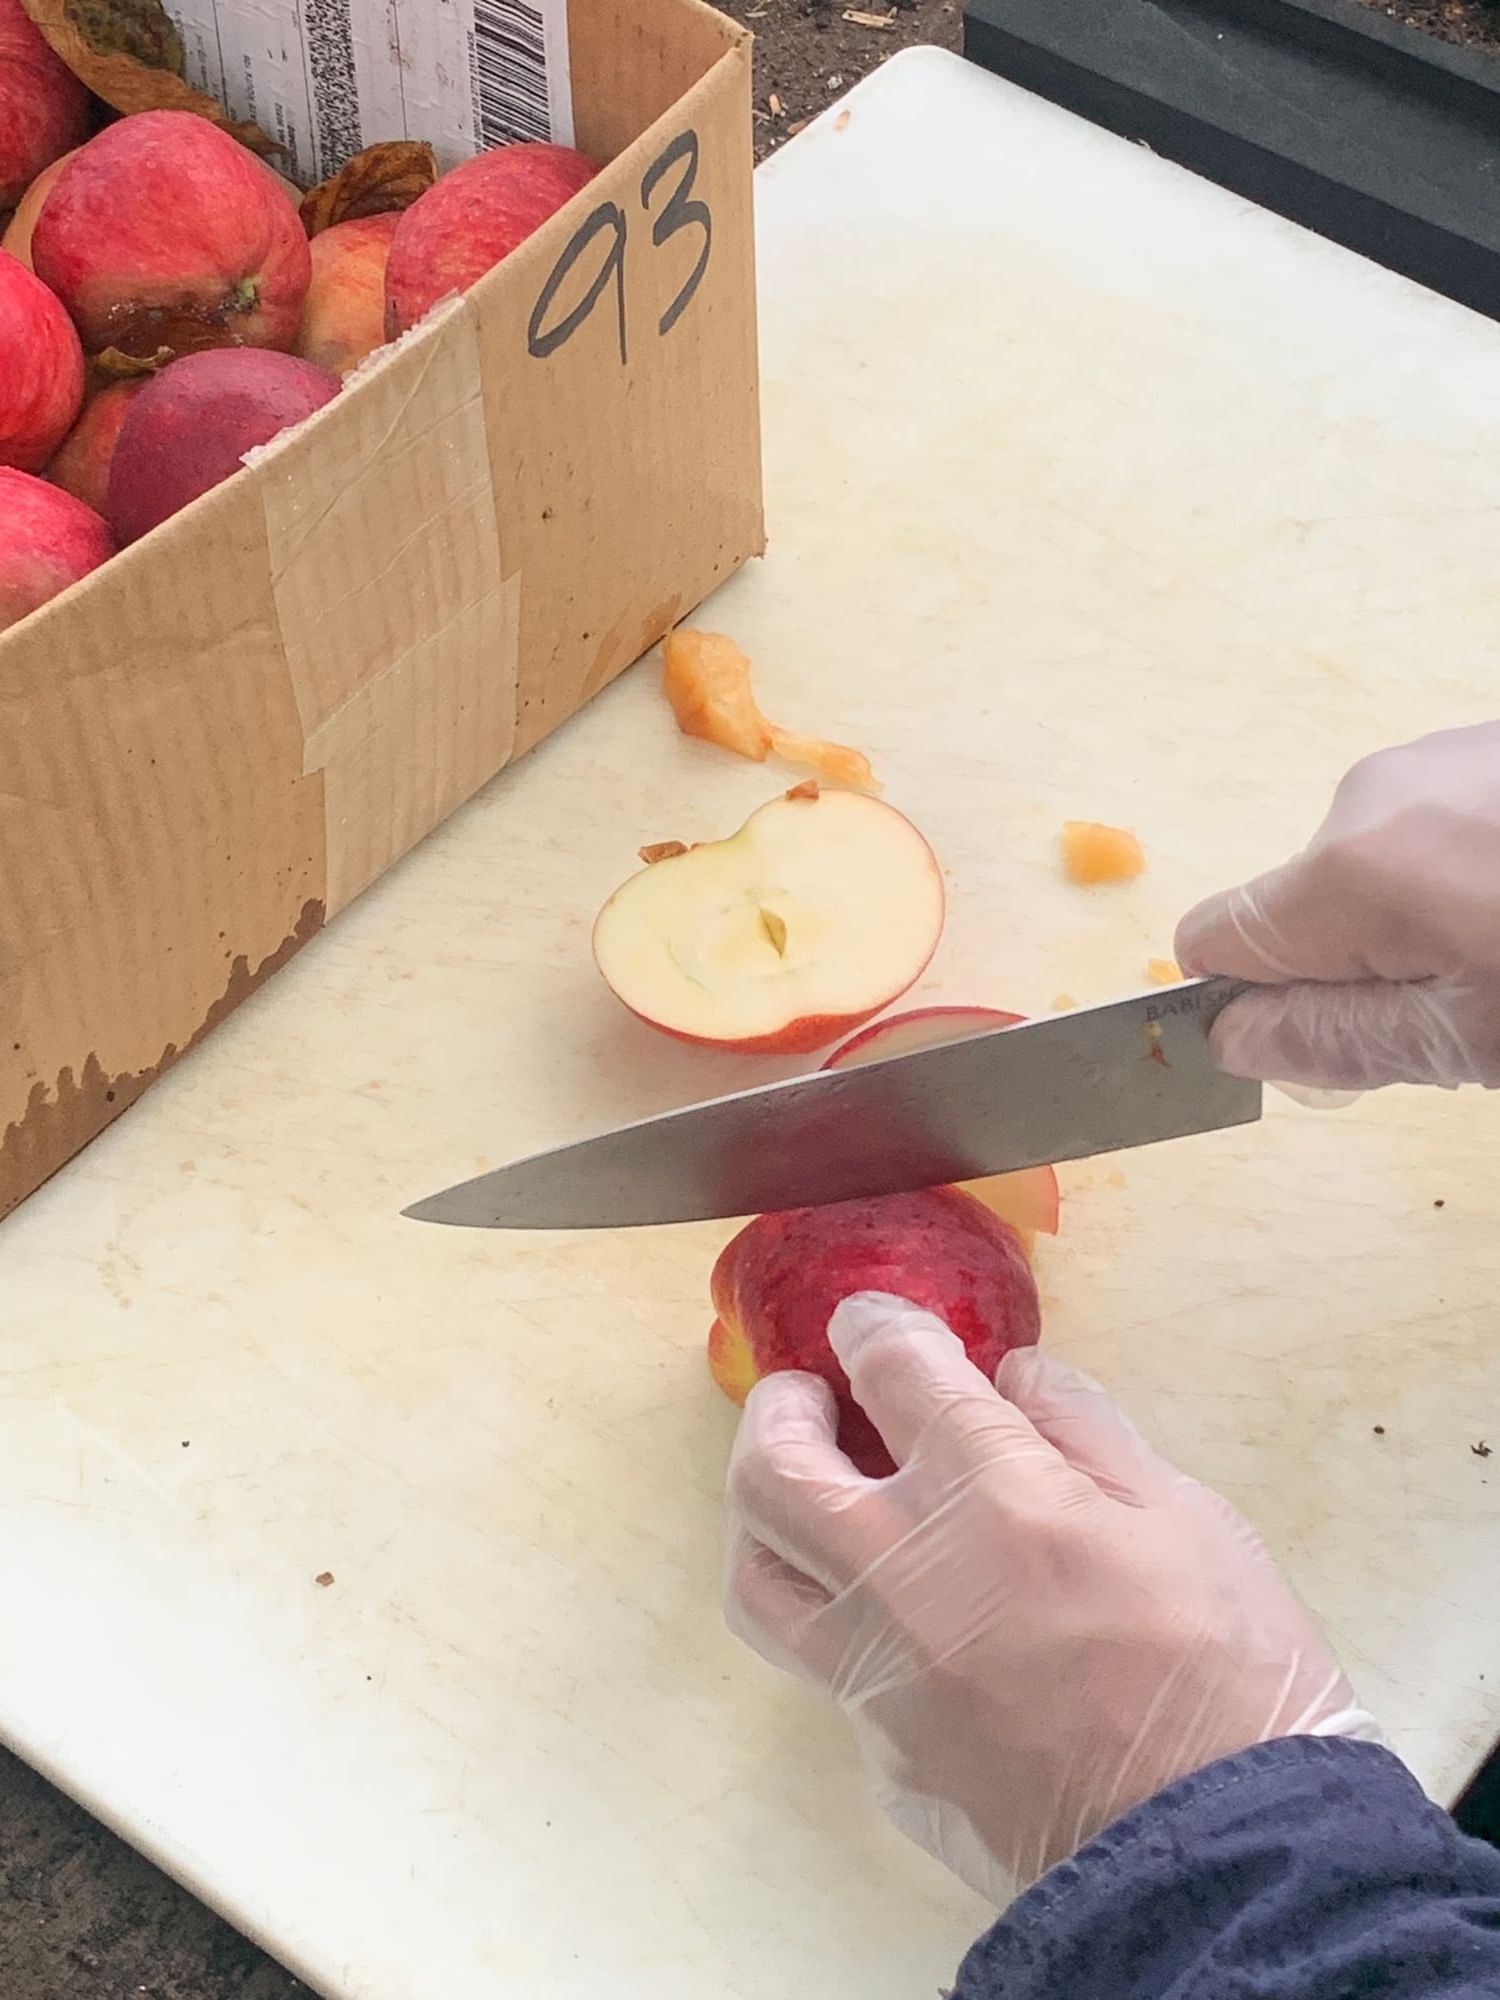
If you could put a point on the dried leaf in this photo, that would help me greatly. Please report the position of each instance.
(862, 20)
(248, 133)
(129, 53)
(662, 850)
(117, 367)
(140, 29)
(383, 178)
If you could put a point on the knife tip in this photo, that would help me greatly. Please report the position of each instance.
(429, 1209)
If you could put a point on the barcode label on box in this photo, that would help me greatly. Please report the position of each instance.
(510, 72)
(335, 95)
(326, 77)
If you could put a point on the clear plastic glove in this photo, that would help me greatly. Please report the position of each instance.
(1382, 937)
(1035, 1622)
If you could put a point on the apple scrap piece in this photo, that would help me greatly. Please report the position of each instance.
(1094, 853)
(823, 909)
(776, 1284)
(706, 678)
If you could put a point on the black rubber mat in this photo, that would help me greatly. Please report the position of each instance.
(1376, 136)
(1478, 1811)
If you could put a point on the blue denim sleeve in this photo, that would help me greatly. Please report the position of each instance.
(1308, 1869)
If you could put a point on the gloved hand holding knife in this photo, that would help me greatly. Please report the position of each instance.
(1378, 946)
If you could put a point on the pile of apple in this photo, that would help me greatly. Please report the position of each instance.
(818, 914)
(162, 312)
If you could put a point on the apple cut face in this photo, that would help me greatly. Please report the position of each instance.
(819, 912)
(1028, 1199)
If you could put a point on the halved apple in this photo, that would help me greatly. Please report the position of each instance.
(819, 912)
(1027, 1200)
(776, 1284)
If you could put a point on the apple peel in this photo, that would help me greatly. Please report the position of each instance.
(706, 679)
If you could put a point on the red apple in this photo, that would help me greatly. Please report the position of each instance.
(820, 911)
(471, 218)
(163, 232)
(344, 317)
(17, 237)
(1027, 1200)
(80, 465)
(44, 109)
(777, 1283)
(41, 369)
(47, 541)
(192, 424)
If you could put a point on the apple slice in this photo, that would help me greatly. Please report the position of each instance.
(819, 912)
(1027, 1200)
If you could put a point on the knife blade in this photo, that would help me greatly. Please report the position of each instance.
(1101, 1079)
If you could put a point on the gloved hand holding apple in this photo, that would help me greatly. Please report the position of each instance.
(1035, 1622)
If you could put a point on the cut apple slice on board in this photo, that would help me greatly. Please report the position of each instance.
(819, 912)
(1027, 1200)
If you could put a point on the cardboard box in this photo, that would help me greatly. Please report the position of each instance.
(214, 743)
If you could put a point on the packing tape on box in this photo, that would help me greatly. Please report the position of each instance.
(401, 633)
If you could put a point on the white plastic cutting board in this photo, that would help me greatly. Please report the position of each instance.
(1095, 492)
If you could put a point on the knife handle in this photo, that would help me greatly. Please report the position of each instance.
(1220, 992)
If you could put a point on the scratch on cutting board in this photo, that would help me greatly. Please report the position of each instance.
(115, 1453)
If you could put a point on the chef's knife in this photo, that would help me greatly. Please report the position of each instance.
(1097, 1080)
